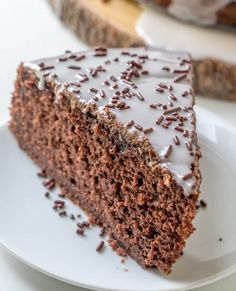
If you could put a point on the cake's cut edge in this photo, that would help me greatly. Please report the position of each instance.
(65, 122)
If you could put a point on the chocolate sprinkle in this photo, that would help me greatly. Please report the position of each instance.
(188, 176)
(145, 72)
(140, 96)
(160, 90)
(75, 84)
(100, 246)
(189, 145)
(154, 106)
(138, 127)
(166, 69)
(180, 78)
(62, 59)
(172, 97)
(79, 58)
(185, 93)
(163, 86)
(63, 213)
(124, 53)
(176, 109)
(171, 118)
(113, 78)
(186, 133)
(102, 93)
(159, 120)
(76, 91)
(74, 67)
(99, 48)
(148, 130)
(144, 57)
(100, 54)
(180, 71)
(94, 90)
(178, 128)
(176, 140)
(47, 195)
(203, 204)
(72, 57)
(72, 217)
(46, 68)
(49, 184)
(41, 65)
(131, 123)
(167, 151)
(59, 203)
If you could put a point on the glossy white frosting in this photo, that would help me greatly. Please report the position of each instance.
(162, 67)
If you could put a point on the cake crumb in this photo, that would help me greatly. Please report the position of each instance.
(42, 174)
(49, 184)
(72, 217)
(201, 204)
(115, 247)
(102, 232)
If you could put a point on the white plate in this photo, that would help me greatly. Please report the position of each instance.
(34, 233)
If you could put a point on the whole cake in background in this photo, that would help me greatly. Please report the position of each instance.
(202, 12)
(116, 130)
(126, 23)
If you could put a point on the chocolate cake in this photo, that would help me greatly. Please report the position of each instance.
(125, 23)
(116, 130)
(204, 12)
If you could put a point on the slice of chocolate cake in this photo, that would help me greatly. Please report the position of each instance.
(116, 129)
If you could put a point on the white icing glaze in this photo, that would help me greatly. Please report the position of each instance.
(158, 29)
(203, 12)
(180, 159)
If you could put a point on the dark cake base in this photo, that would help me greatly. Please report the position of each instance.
(146, 212)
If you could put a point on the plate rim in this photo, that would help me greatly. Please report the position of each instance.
(188, 286)
(200, 283)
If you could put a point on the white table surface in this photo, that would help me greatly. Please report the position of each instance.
(29, 30)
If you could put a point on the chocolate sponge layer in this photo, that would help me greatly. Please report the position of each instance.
(140, 206)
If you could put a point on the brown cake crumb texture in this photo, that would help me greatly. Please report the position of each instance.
(142, 208)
